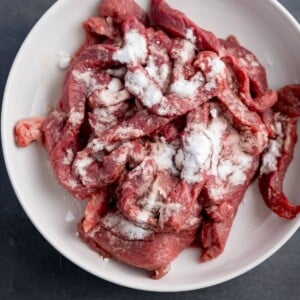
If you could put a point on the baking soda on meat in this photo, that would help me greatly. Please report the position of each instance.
(162, 127)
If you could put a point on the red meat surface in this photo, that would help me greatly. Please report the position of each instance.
(28, 131)
(117, 237)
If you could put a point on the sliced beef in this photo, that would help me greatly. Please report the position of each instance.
(136, 246)
(177, 24)
(275, 162)
(122, 10)
(219, 213)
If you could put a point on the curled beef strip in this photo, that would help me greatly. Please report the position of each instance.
(248, 61)
(212, 153)
(176, 23)
(271, 178)
(258, 104)
(116, 236)
(69, 116)
(279, 153)
(220, 209)
(96, 207)
(249, 123)
(103, 27)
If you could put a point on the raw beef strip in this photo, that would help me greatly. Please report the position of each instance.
(275, 161)
(177, 23)
(115, 236)
(122, 10)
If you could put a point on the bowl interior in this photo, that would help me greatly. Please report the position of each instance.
(34, 87)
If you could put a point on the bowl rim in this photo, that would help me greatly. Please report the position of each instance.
(188, 287)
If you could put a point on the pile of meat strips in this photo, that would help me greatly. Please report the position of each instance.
(161, 126)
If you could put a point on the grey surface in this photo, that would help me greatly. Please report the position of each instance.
(31, 269)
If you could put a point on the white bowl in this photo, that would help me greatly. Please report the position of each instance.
(34, 84)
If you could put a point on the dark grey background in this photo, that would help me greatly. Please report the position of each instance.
(31, 269)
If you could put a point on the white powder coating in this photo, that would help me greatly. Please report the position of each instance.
(147, 170)
(76, 118)
(167, 211)
(107, 97)
(210, 85)
(225, 169)
(128, 132)
(214, 112)
(136, 81)
(73, 183)
(99, 127)
(184, 88)
(238, 177)
(152, 204)
(152, 95)
(189, 35)
(142, 216)
(134, 49)
(217, 69)
(185, 54)
(166, 108)
(159, 73)
(96, 145)
(112, 147)
(82, 164)
(215, 132)
(229, 170)
(122, 157)
(142, 87)
(252, 60)
(203, 153)
(85, 76)
(164, 154)
(196, 153)
(104, 115)
(68, 159)
(118, 224)
(234, 173)
(149, 202)
(59, 116)
(239, 159)
(248, 61)
(152, 67)
(64, 59)
(115, 85)
(88, 78)
(273, 152)
(193, 221)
